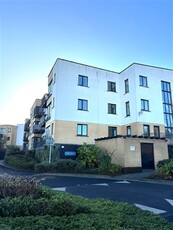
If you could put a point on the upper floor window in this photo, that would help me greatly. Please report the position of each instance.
(54, 78)
(50, 86)
(82, 104)
(127, 108)
(144, 105)
(112, 131)
(143, 81)
(8, 138)
(111, 108)
(9, 130)
(82, 130)
(126, 85)
(128, 129)
(82, 80)
(111, 86)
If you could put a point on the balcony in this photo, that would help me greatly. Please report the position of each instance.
(44, 100)
(38, 111)
(38, 129)
(42, 121)
(26, 126)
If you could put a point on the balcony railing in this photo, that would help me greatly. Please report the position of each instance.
(38, 111)
(42, 121)
(44, 100)
(38, 129)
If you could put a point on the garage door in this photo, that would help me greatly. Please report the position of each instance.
(147, 155)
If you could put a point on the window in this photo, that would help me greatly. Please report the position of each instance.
(111, 108)
(143, 81)
(156, 131)
(167, 108)
(2, 131)
(112, 131)
(82, 104)
(146, 130)
(126, 85)
(82, 130)
(128, 130)
(8, 138)
(144, 105)
(50, 86)
(53, 102)
(54, 78)
(127, 108)
(9, 130)
(82, 80)
(111, 86)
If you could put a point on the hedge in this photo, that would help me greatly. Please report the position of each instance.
(57, 210)
(20, 161)
(60, 166)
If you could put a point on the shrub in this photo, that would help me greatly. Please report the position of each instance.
(88, 155)
(60, 166)
(12, 150)
(165, 167)
(42, 155)
(112, 169)
(21, 161)
(13, 186)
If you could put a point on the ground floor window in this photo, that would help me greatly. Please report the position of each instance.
(112, 131)
(82, 130)
(146, 130)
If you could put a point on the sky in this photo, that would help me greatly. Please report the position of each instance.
(109, 34)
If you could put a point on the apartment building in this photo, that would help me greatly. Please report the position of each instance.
(85, 103)
(9, 133)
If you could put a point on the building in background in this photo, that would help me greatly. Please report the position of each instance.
(85, 103)
(9, 133)
(19, 136)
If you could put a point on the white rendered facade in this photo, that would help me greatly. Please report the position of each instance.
(66, 96)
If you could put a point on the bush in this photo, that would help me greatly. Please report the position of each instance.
(112, 169)
(165, 167)
(12, 150)
(60, 166)
(20, 161)
(12, 186)
(25, 206)
(88, 155)
(42, 155)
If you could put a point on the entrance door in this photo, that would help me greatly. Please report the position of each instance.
(147, 155)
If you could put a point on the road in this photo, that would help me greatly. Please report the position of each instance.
(154, 197)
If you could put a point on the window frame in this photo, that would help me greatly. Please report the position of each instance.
(143, 81)
(158, 131)
(82, 103)
(145, 102)
(82, 130)
(126, 83)
(148, 133)
(111, 108)
(127, 108)
(111, 130)
(81, 81)
(127, 130)
(111, 86)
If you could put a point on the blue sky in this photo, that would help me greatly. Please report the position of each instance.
(110, 34)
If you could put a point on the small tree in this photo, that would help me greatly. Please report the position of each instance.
(89, 155)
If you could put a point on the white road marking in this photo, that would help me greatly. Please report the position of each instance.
(122, 182)
(62, 189)
(170, 201)
(102, 184)
(154, 210)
